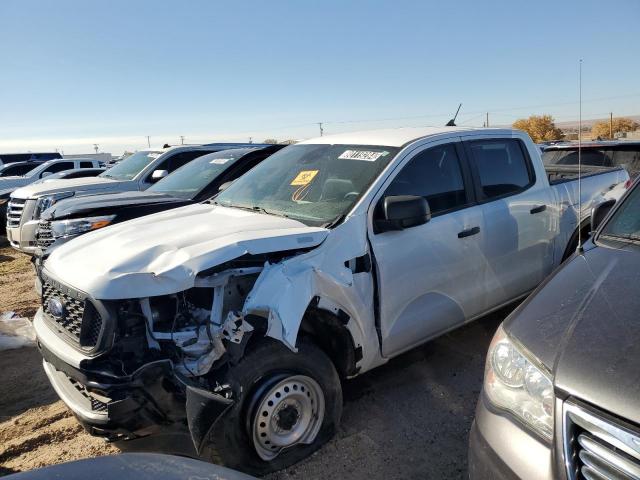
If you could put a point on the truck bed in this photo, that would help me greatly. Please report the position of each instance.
(563, 173)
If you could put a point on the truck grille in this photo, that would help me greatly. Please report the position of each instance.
(96, 405)
(598, 447)
(80, 320)
(14, 212)
(45, 236)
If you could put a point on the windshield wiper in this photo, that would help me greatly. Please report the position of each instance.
(628, 237)
(251, 208)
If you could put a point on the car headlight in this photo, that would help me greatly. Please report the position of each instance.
(46, 201)
(64, 228)
(514, 382)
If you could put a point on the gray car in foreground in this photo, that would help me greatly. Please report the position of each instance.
(561, 396)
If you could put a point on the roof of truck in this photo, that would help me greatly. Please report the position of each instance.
(395, 137)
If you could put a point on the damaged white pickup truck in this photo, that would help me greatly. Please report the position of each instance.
(233, 321)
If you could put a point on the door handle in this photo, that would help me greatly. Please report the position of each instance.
(539, 209)
(469, 232)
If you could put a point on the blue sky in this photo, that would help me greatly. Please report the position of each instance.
(77, 72)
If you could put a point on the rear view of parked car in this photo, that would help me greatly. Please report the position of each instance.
(194, 182)
(561, 396)
(623, 153)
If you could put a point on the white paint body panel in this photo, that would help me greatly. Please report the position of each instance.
(418, 270)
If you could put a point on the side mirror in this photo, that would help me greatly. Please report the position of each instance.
(158, 175)
(599, 212)
(403, 211)
(224, 186)
(45, 174)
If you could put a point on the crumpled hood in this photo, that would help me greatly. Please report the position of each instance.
(78, 185)
(583, 326)
(162, 253)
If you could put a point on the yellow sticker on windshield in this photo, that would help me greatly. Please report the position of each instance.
(304, 177)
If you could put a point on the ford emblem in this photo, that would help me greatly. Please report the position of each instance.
(56, 307)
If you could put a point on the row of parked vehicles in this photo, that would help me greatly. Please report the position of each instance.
(220, 293)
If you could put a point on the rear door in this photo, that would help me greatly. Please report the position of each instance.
(430, 276)
(517, 210)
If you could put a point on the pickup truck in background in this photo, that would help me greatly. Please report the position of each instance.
(600, 154)
(232, 322)
(38, 171)
(561, 395)
(192, 183)
(138, 172)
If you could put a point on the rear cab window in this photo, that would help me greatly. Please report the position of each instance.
(501, 167)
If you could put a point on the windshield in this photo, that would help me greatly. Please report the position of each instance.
(131, 166)
(191, 179)
(315, 184)
(625, 222)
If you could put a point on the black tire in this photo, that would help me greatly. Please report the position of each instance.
(230, 441)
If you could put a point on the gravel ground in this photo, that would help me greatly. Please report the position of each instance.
(407, 419)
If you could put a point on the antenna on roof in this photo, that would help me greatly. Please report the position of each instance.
(452, 122)
(580, 249)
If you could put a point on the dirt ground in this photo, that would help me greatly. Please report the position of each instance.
(407, 419)
(36, 428)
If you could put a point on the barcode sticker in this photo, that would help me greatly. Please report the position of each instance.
(364, 155)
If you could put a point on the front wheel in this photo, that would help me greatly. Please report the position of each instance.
(286, 406)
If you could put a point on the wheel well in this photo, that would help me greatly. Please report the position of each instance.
(328, 331)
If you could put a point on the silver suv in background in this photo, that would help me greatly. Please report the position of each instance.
(137, 172)
(9, 184)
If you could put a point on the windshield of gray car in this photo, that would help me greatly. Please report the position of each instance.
(624, 223)
(189, 180)
(131, 166)
(315, 184)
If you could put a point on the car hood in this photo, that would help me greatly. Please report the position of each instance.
(78, 185)
(162, 253)
(105, 204)
(582, 325)
(11, 183)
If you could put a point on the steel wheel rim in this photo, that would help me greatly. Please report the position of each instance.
(289, 413)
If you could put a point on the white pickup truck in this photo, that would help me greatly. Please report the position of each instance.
(233, 321)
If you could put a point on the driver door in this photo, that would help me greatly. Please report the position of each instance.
(430, 276)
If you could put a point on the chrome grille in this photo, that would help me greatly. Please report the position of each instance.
(14, 212)
(81, 321)
(45, 236)
(599, 447)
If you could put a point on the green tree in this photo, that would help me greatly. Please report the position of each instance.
(541, 128)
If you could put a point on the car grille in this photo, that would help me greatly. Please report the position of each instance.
(14, 212)
(80, 320)
(45, 236)
(96, 405)
(599, 447)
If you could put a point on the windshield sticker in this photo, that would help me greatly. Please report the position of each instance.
(304, 177)
(154, 154)
(364, 155)
(219, 161)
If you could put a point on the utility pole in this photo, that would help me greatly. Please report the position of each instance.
(95, 147)
(149, 141)
(487, 120)
(611, 125)
(321, 129)
(181, 139)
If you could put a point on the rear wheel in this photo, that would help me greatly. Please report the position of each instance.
(287, 406)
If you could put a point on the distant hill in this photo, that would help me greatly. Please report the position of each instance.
(573, 125)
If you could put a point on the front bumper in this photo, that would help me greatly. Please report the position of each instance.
(501, 449)
(23, 237)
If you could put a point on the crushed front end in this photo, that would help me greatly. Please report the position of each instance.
(130, 368)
